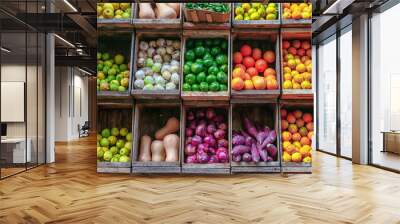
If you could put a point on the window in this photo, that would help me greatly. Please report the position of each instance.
(385, 89)
(346, 92)
(327, 95)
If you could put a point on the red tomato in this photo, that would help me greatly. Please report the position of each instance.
(256, 53)
(285, 44)
(237, 58)
(245, 50)
(240, 66)
(292, 51)
(248, 62)
(252, 71)
(261, 65)
(269, 56)
(296, 44)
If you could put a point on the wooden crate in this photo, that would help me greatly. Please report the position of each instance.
(197, 95)
(295, 22)
(291, 34)
(154, 24)
(257, 38)
(117, 46)
(256, 23)
(155, 94)
(215, 168)
(202, 19)
(150, 116)
(116, 24)
(305, 106)
(114, 114)
(264, 111)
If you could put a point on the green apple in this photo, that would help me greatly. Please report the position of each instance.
(112, 140)
(100, 75)
(105, 56)
(121, 89)
(119, 59)
(120, 143)
(125, 82)
(123, 67)
(100, 153)
(124, 159)
(114, 150)
(107, 156)
(124, 6)
(105, 133)
(123, 132)
(104, 142)
(129, 137)
(108, 6)
(114, 87)
(128, 145)
(124, 151)
(115, 132)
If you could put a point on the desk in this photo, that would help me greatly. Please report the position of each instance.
(391, 141)
(13, 150)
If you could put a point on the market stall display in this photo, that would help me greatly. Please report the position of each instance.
(256, 15)
(157, 140)
(157, 65)
(158, 15)
(113, 16)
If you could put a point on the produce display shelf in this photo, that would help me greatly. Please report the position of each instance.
(262, 24)
(257, 38)
(114, 113)
(149, 119)
(155, 94)
(296, 167)
(197, 95)
(109, 167)
(297, 94)
(156, 24)
(209, 25)
(196, 168)
(306, 23)
(116, 47)
(116, 24)
(256, 109)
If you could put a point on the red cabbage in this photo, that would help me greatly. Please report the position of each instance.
(238, 140)
(191, 159)
(193, 125)
(222, 156)
(189, 132)
(210, 140)
(219, 134)
(254, 153)
(211, 128)
(236, 158)
(210, 113)
(218, 118)
(200, 114)
(203, 157)
(223, 126)
(190, 150)
(201, 130)
(246, 157)
(196, 140)
(213, 159)
(223, 143)
(202, 147)
(211, 150)
(190, 116)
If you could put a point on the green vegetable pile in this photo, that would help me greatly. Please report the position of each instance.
(206, 65)
(215, 7)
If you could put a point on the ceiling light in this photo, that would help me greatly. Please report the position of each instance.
(84, 71)
(5, 50)
(64, 40)
(70, 5)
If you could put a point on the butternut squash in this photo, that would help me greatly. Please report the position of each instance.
(146, 11)
(170, 127)
(157, 151)
(163, 11)
(145, 153)
(176, 7)
(171, 145)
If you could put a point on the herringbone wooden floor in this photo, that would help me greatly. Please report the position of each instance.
(70, 191)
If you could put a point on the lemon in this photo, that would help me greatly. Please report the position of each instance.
(252, 10)
(239, 17)
(271, 17)
(246, 6)
(239, 10)
(255, 16)
(271, 10)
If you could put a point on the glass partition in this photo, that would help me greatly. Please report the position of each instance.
(346, 92)
(385, 89)
(327, 95)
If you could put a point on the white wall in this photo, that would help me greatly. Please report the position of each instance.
(69, 85)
